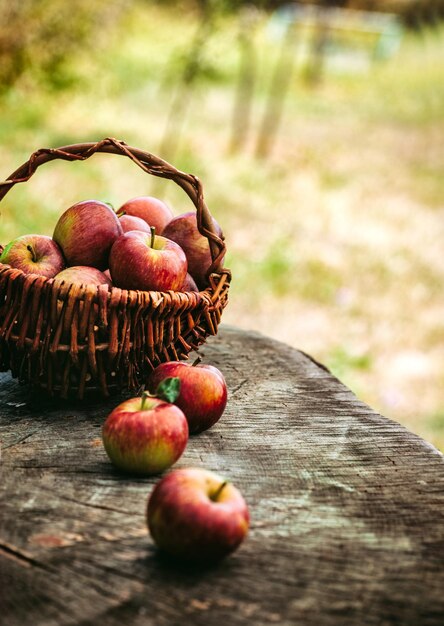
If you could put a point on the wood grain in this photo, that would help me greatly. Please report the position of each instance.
(346, 506)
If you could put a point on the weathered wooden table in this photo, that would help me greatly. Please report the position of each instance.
(346, 506)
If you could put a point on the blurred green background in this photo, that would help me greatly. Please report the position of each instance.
(321, 155)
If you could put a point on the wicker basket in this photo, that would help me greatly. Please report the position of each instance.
(68, 338)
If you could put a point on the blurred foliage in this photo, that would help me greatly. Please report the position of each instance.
(43, 38)
(40, 38)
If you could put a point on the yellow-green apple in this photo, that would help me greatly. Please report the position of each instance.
(131, 222)
(183, 230)
(203, 391)
(83, 275)
(196, 515)
(34, 254)
(86, 231)
(155, 212)
(145, 435)
(147, 261)
(189, 284)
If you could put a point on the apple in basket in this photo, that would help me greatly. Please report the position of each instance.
(131, 222)
(86, 231)
(83, 275)
(189, 284)
(155, 212)
(203, 391)
(146, 435)
(147, 262)
(195, 515)
(183, 230)
(34, 254)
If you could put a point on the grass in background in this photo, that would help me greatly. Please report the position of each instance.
(335, 241)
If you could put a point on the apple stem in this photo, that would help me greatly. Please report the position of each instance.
(153, 235)
(145, 395)
(120, 213)
(221, 487)
(197, 361)
(31, 250)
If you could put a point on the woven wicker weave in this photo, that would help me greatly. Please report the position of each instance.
(68, 338)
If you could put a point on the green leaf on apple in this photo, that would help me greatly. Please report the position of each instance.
(168, 389)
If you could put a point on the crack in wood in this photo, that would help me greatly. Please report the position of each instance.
(99, 506)
(62, 469)
(239, 386)
(24, 559)
(18, 442)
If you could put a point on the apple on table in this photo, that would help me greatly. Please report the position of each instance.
(146, 435)
(195, 515)
(34, 254)
(203, 391)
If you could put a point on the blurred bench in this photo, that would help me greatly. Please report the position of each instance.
(337, 37)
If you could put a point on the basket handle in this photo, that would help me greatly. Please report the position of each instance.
(148, 162)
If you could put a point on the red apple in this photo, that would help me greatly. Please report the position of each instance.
(183, 230)
(195, 515)
(155, 212)
(86, 231)
(189, 284)
(83, 275)
(203, 391)
(145, 435)
(34, 254)
(131, 222)
(147, 262)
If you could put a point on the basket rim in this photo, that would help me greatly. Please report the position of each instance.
(28, 279)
